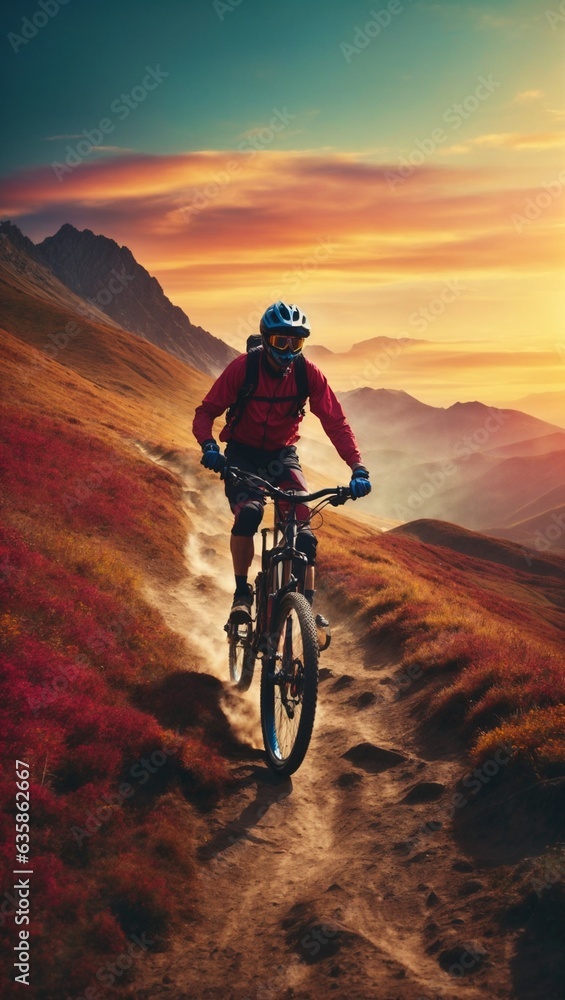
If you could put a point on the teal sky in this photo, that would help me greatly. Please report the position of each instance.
(227, 75)
(483, 208)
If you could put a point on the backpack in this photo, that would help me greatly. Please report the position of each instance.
(249, 387)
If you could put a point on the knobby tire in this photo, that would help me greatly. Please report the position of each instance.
(286, 750)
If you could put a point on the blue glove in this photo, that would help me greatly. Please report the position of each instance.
(211, 456)
(359, 484)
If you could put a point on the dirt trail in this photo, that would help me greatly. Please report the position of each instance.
(320, 884)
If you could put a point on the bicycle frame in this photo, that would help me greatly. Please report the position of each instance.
(284, 631)
(279, 561)
(277, 577)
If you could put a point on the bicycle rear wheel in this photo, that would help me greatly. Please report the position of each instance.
(241, 655)
(289, 685)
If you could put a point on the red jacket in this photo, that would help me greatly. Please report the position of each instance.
(272, 425)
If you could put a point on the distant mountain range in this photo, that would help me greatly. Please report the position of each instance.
(437, 432)
(437, 370)
(318, 352)
(111, 282)
(490, 469)
(546, 405)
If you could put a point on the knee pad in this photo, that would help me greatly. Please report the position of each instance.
(307, 543)
(248, 519)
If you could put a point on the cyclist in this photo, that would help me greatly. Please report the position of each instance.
(261, 431)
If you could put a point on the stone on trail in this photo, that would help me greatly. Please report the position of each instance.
(373, 758)
(424, 791)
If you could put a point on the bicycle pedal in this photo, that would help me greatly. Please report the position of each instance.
(240, 616)
(324, 633)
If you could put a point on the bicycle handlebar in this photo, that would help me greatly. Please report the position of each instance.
(340, 494)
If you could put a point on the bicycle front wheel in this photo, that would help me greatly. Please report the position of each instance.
(241, 656)
(289, 685)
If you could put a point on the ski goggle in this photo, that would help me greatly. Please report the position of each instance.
(282, 341)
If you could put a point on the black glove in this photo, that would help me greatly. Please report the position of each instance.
(359, 485)
(211, 456)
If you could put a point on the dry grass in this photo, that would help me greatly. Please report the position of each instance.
(493, 633)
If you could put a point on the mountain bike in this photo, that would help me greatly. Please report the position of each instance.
(283, 634)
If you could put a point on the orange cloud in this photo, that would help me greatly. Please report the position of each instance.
(225, 231)
(507, 141)
(527, 96)
(517, 140)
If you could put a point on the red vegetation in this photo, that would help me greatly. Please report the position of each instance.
(79, 646)
(64, 476)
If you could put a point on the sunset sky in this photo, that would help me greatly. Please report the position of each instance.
(405, 180)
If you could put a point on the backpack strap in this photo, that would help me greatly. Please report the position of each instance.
(247, 390)
(302, 389)
(251, 381)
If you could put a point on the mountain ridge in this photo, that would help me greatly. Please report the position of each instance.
(480, 545)
(443, 426)
(545, 405)
(108, 277)
(24, 271)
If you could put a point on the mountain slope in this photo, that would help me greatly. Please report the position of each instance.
(533, 446)
(108, 277)
(21, 268)
(88, 263)
(363, 350)
(542, 532)
(392, 407)
(88, 668)
(483, 548)
(54, 358)
(546, 501)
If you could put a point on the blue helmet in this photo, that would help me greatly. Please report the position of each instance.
(280, 323)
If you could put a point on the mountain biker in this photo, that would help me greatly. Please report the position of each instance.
(260, 437)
